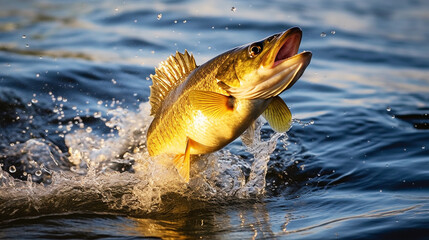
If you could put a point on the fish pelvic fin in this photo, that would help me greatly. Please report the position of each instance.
(182, 162)
(278, 115)
(168, 75)
(211, 104)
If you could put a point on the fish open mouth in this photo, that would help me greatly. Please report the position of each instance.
(279, 69)
(285, 47)
(289, 45)
(282, 65)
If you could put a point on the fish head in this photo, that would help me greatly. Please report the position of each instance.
(265, 68)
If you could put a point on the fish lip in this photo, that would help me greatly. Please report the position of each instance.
(285, 47)
(282, 66)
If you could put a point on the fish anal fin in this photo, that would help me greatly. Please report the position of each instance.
(211, 104)
(182, 162)
(168, 75)
(278, 115)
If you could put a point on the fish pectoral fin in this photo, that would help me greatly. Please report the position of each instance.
(278, 115)
(182, 162)
(212, 104)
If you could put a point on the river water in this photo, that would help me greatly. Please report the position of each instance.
(74, 87)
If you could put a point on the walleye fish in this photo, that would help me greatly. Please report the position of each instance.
(201, 109)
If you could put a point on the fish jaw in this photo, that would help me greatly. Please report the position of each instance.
(282, 76)
(285, 45)
(282, 66)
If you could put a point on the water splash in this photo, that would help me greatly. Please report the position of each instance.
(116, 173)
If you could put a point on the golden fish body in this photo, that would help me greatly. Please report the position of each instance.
(179, 119)
(198, 110)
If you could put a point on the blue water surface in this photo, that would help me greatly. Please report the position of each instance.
(74, 75)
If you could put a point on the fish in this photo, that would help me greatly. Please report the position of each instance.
(201, 109)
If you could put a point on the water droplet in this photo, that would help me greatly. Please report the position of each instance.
(37, 75)
(99, 102)
(38, 173)
(323, 34)
(113, 81)
(333, 32)
(423, 147)
(24, 36)
(159, 16)
(388, 109)
(381, 190)
(12, 169)
(175, 21)
(97, 114)
(233, 9)
(27, 45)
(34, 100)
(116, 9)
(88, 129)
(184, 21)
(135, 20)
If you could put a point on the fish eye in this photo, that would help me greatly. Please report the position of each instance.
(255, 49)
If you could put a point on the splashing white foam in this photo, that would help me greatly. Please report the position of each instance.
(93, 185)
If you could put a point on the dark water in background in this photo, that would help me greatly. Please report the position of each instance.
(73, 96)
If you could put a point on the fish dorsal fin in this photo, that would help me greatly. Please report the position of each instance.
(169, 74)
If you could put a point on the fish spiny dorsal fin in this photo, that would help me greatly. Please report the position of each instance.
(169, 74)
